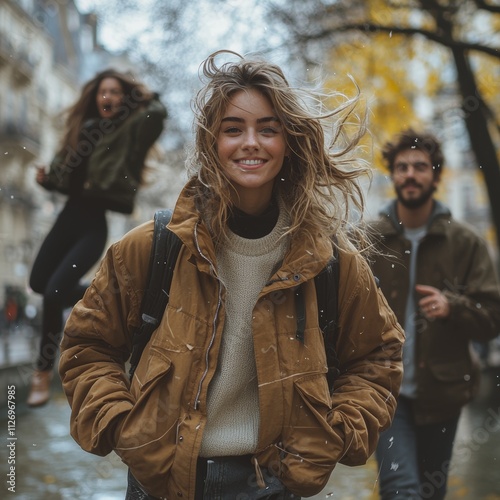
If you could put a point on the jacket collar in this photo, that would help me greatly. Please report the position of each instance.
(303, 259)
(436, 224)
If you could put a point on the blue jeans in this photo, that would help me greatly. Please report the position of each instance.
(225, 478)
(414, 459)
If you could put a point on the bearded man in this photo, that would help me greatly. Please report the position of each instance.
(439, 279)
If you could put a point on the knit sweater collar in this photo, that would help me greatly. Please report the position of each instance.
(263, 245)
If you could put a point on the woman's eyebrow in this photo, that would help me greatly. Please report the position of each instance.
(266, 119)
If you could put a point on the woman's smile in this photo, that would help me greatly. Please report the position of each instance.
(251, 145)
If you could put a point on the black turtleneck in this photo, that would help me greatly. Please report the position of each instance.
(253, 226)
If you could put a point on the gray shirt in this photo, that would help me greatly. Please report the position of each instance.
(409, 385)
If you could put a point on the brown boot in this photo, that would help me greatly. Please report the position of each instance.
(40, 388)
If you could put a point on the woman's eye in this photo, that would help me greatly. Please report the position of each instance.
(269, 130)
(232, 130)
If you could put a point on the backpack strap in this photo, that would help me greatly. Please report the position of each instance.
(327, 285)
(327, 289)
(164, 251)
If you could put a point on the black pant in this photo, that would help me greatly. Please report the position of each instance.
(73, 245)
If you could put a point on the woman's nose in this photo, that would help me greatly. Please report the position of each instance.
(250, 140)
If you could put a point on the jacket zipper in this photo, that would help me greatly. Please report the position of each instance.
(214, 323)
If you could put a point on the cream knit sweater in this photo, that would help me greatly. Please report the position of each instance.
(244, 266)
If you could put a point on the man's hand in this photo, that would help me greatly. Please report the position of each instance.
(41, 175)
(433, 304)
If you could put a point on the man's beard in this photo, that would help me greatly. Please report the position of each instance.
(414, 202)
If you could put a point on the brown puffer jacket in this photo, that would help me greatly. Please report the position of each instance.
(155, 424)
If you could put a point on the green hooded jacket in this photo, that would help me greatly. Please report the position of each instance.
(115, 151)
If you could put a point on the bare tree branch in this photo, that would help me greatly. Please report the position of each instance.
(481, 4)
(430, 35)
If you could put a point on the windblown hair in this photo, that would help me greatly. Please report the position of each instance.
(318, 181)
(85, 108)
(410, 139)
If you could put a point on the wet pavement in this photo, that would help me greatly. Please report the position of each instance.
(50, 465)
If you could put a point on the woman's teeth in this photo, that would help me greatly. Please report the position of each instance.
(251, 162)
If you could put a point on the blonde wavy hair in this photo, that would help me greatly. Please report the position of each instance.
(318, 182)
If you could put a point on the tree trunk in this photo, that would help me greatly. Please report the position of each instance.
(476, 121)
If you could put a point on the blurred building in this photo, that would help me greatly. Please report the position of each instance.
(48, 49)
(37, 78)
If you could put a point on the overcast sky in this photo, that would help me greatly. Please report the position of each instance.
(237, 25)
(115, 29)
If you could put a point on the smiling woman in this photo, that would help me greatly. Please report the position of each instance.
(252, 147)
(230, 397)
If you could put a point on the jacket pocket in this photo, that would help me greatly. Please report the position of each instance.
(153, 408)
(153, 365)
(310, 446)
(146, 443)
(453, 384)
(451, 372)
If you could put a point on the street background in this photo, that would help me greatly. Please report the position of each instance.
(405, 70)
(50, 465)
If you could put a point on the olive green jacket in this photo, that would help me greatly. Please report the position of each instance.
(115, 150)
(454, 259)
